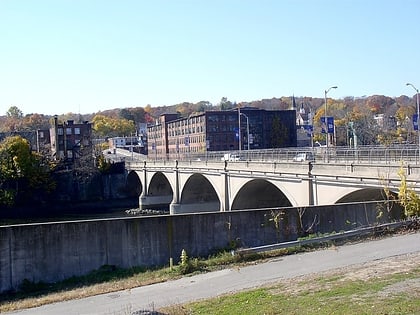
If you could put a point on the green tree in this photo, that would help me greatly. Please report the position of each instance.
(126, 114)
(14, 112)
(24, 175)
(225, 104)
(138, 114)
(14, 119)
(202, 106)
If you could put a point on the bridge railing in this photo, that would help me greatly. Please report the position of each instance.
(362, 154)
(408, 154)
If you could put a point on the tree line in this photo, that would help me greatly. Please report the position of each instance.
(359, 111)
(27, 176)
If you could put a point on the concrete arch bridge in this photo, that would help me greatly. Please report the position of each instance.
(197, 186)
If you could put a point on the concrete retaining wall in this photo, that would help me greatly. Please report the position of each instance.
(51, 252)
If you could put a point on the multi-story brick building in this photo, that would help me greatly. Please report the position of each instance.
(69, 141)
(173, 137)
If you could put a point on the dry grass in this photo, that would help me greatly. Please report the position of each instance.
(15, 302)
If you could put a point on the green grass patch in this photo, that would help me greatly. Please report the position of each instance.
(321, 296)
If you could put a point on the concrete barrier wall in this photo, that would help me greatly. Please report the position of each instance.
(51, 252)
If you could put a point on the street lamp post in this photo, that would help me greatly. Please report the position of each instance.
(418, 113)
(325, 114)
(239, 129)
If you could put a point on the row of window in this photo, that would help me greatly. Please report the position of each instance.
(187, 140)
(185, 131)
(221, 138)
(186, 122)
(221, 127)
(69, 142)
(183, 150)
(69, 131)
(217, 118)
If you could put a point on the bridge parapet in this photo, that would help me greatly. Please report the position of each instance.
(380, 170)
(408, 154)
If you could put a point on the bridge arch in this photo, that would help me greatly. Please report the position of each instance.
(159, 185)
(199, 195)
(367, 194)
(394, 209)
(159, 193)
(259, 193)
(133, 184)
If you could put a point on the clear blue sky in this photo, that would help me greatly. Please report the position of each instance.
(60, 56)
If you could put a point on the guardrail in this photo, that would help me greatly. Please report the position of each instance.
(362, 154)
(408, 154)
(323, 239)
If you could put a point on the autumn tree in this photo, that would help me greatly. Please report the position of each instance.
(403, 113)
(364, 125)
(407, 196)
(35, 122)
(113, 127)
(184, 109)
(24, 175)
(379, 103)
(148, 114)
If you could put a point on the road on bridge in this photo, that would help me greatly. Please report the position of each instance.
(220, 282)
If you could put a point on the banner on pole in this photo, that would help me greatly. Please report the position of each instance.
(327, 126)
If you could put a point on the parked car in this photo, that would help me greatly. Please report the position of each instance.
(231, 157)
(304, 156)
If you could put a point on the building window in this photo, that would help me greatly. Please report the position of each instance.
(68, 131)
(60, 131)
(77, 131)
